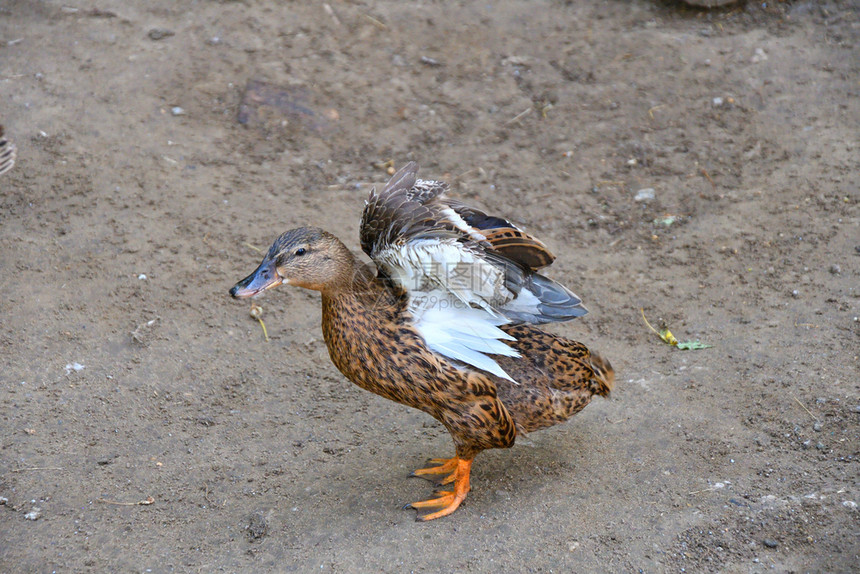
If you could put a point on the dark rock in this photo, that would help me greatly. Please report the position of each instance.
(257, 527)
(160, 34)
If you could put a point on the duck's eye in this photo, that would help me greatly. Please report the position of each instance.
(301, 251)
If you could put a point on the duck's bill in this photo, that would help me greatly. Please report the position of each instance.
(264, 277)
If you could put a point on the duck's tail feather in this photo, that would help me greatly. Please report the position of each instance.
(557, 302)
(604, 376)
(539, 299)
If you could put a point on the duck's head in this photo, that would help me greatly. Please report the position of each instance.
(307, 257)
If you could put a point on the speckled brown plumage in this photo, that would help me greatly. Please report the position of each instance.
(373, 340)
(558, 378)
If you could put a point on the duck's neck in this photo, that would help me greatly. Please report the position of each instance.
(352, 277)
(360, 293)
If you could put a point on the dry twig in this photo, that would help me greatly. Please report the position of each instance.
(257, 313)
(146, 502)
(804, 407)
(654, 109)
(375, 22)
(708, 177)
(519, 116)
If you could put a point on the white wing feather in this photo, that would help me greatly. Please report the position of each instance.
(460, 332)
(449, 289)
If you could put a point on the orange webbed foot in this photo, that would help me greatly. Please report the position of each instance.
(447, 501)
(440, 466)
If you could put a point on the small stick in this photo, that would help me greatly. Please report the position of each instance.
(467, 172)
(804, 407)
(257, 313)
(701, 491)
(519, 116)
(375, 22)
(257, 249)
(37, 468)
(331, 13)
(708, 176)
(146, 502)
(655, 108)
(641, 310)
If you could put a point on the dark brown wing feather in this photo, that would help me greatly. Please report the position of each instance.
(505, 237)
(409, 208)
(403, 211)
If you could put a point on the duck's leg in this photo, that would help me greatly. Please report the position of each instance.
(460, 469)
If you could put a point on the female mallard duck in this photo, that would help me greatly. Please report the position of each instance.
(444, 325)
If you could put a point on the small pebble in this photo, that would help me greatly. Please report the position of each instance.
(795, 293)
(820, 446)
(142, 277)
(717, 102)
(817, 427)
(74, 367)
(177, 111)
(160, 33)
(759, 56)
(770, 542)
(849, 504)
(646, 194)
(34, 514)
(835, 269)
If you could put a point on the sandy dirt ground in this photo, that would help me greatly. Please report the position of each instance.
(701, 166)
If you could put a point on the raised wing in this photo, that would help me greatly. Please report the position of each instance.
(466, 272)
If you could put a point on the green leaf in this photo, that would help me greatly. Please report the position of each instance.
(667, 221)
(693, 346)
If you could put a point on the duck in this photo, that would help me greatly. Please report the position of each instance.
(445, 320)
